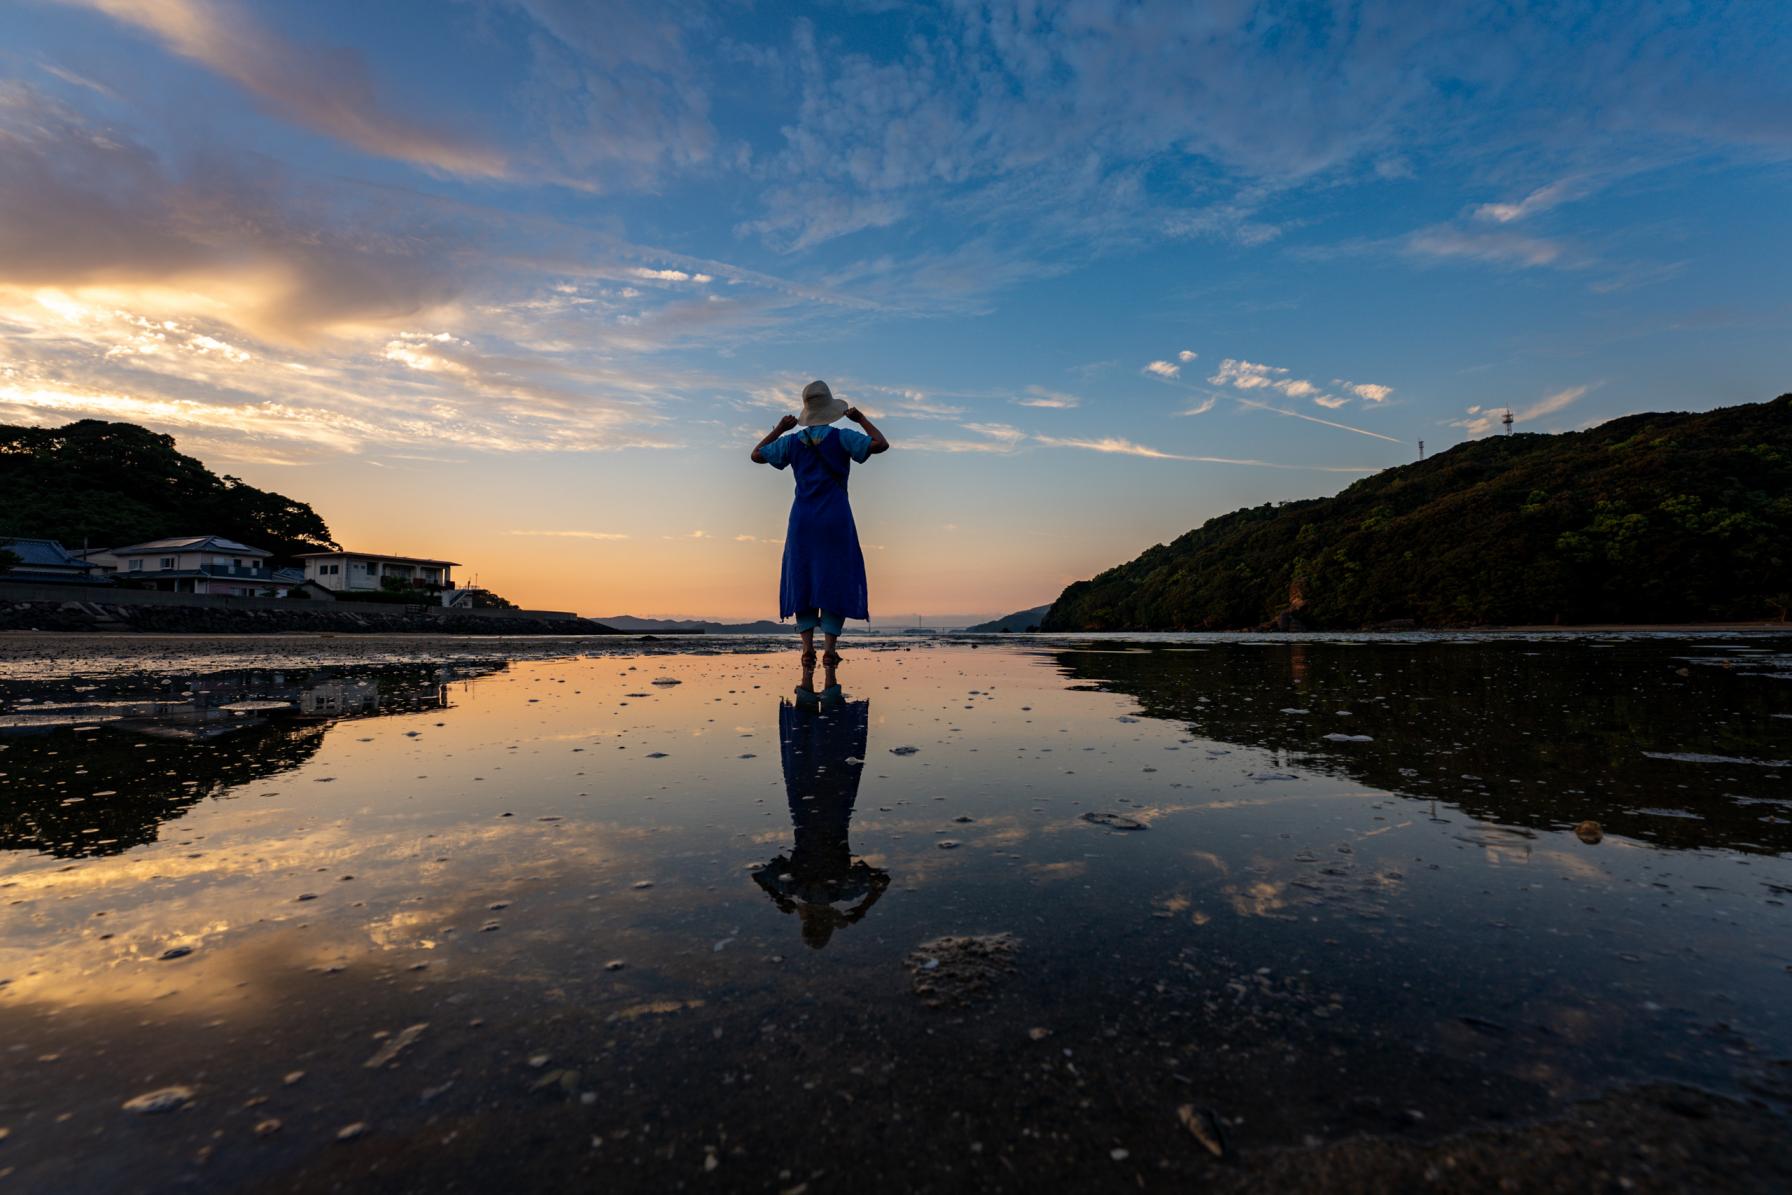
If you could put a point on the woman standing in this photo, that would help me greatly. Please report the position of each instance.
(824, 571)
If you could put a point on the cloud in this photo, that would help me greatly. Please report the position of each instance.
(603, 535)
(1245, 375)
(1330, 402)
(1163, 369)
(1540, 200)
(1114, 445)
(1187, 355)
(328, 90)
(1361, 431)
(1495, 248)
(669, 275)
(1200, 408)
(1484, 420)
(1368, 391)
(1049, 400)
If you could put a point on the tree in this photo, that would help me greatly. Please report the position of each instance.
(109, 484)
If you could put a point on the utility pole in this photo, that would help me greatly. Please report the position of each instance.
(1507, 420)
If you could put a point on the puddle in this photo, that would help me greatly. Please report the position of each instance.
(1310, 890)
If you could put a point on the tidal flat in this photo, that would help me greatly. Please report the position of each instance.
(1214, 912)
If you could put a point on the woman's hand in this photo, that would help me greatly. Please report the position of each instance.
(785, 424)
(878, 442)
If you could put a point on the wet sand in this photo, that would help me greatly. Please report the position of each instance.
(656, 920)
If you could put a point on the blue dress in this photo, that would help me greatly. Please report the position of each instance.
(823, 566)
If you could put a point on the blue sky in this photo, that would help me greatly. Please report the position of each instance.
(518, 281)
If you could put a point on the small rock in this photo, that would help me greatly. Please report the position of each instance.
(292, 1077)
(1589, 832)
(615, 964)
(1114, 821)
(349, 1132)
(1204, 1126)
(396, 1045)
(904, 750)
(643, 884)
(947, 844)
(538, 1060)
(264, 1128)
(162, 1099)
(177, 952)
(305, 896)
(1039, 1033)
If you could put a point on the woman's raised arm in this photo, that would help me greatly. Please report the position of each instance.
(878, 442)
(784, 425)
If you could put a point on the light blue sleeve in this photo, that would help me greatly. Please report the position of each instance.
(857, 444)
(777, 453)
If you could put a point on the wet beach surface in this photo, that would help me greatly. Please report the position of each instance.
(1347, 913)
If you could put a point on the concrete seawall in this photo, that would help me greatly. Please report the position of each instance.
(67, 608)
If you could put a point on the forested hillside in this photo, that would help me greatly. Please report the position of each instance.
(1648, 518)
(110, 484)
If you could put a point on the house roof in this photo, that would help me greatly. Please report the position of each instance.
(42, 552)
(191, 543)
(382, 556)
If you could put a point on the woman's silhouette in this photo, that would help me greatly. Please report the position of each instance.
(821, 737)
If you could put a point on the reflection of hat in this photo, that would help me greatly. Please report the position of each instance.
(820, 407)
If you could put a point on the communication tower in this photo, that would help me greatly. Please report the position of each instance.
(1506, 419)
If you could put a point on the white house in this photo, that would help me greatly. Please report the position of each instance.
(193, 564)
(348, 572)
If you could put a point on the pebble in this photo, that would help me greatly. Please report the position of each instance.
(162, 1099)
(177, 952)
(266, 1127)
(349, 1132)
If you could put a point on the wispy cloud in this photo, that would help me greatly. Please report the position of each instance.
(1540, 200)
(1114, 445)
(1443, 242)
(330, 91)
(1163, 369)
(1049, 400)
(603, 535)
(1483, 420)
(1361, 431)
(1200, 408)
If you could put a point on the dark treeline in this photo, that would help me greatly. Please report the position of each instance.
(1648, 518)
(111, 484)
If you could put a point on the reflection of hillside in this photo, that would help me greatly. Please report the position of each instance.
(146, 783)
(96, 767)
(1518, 733)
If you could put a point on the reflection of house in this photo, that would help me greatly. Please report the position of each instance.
(194, 564)
(42, 560)
(352, 571)
(337, 697)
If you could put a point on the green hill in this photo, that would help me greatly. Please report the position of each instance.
(1648, 518)
(110, 484)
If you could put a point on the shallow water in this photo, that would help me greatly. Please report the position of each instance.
(661, 916)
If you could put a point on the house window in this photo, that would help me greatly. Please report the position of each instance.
(335, 568)
(167, 563)
(136, 566)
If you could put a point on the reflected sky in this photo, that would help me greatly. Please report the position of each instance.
(618, 860)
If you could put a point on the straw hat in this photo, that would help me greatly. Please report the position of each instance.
(820, 407)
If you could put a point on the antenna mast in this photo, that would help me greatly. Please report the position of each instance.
(1421, 450)
(1506, 419)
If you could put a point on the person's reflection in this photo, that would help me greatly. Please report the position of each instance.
(821, 737)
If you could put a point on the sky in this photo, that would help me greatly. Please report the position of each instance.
(519, 283)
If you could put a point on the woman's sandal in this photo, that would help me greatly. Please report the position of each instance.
(831, 659)
(809, 657)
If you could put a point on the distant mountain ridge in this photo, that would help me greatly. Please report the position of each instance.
(1018, 622)
(1648, 518)
(625, 622)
